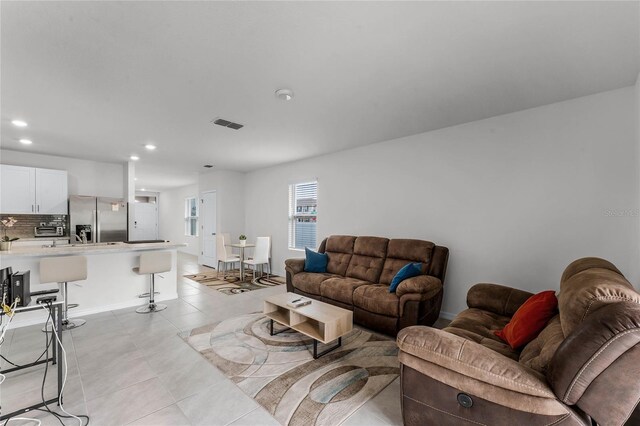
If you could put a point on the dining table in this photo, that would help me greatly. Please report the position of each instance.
(241, 247)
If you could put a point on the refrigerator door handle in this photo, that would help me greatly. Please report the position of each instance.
(96, 226)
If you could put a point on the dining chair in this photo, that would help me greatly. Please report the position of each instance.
(260, 256)
(223, 256)
(227, 245)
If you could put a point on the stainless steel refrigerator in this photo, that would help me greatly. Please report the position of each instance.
(102, 219)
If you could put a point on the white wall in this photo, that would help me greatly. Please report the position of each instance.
(637, 91)
(85, 177)
(171, 221)
(230, 200)
(516, 198)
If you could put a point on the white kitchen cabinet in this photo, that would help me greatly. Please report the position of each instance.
(29, 190)
(51, 191)
(17, 189)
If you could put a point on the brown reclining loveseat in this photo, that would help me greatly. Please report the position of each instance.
(584, 365)
(358, 275)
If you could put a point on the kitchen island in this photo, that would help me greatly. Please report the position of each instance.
(111, 283)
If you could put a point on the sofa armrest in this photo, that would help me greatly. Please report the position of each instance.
(423, 284)
(472, 360)
(294, 266)
(499, 299)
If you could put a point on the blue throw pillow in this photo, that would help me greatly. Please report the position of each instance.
(315, 262)
(407, 271)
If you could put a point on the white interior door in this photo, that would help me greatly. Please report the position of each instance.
(208, 228)
(145, 225)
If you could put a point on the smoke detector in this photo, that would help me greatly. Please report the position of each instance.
(284, 94)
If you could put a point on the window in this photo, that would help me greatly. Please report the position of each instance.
(191, 217)
(303, 215)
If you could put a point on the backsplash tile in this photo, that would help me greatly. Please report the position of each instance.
(26, 222)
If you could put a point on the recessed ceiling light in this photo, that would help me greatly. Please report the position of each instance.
(19, 123)
(284, 94)
(134, 158)
(26, 141)
(135, 178)
(142, 189)
(150, 146)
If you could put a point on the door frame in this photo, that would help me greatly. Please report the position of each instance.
(201, 216)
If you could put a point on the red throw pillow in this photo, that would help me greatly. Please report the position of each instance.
(529, 319)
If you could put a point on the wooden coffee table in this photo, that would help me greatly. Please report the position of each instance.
(320, 321)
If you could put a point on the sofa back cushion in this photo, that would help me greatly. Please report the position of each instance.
(339, 249)
(369, 254)
(403, 251)
(587, 285)
(538, 353)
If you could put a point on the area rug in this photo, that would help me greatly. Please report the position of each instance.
(232, 283)
(280, 374)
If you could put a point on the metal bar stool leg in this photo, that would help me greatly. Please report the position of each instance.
(152, 306)
(67, 324)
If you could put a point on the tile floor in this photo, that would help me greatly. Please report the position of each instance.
(131, 369)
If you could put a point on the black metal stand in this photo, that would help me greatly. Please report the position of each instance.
(316, 355)
(277, 332)
(56, 318)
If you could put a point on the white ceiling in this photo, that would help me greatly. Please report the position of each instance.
(97, 80)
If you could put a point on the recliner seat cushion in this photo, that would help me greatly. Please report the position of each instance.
(377, 299)
(309, 282)
(478, 326)
(340, 289)
(403, 251)
(368, 258)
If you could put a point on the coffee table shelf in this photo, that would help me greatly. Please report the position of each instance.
(320, 321)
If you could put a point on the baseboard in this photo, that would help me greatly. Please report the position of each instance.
(447, 315)
(40, 319)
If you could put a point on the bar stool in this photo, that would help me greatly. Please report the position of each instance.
(63, 270)
(153, 263)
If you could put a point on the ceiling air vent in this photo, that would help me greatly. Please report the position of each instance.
(227, 123)
(208, 166)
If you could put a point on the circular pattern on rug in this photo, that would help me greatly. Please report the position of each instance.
(279, 371)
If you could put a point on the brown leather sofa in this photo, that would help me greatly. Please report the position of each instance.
(584, 366)
(358, 275)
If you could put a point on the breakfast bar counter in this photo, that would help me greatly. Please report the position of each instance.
(111, 283)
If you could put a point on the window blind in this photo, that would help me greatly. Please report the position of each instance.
(303, 215)
(191, 217)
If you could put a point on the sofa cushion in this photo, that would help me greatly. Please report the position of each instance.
(478, 326)
(538, 353)
(368, 257)
(403, 251)
(309, 282)
(587, 285)
(339, 248)
(530, 319)
(340, 289)
(376, 298)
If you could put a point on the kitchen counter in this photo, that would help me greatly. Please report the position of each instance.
(111, 283)
(83, 249)
(57, 238)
